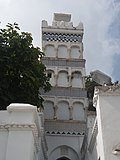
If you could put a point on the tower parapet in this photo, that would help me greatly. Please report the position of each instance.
(63, 21)
(62, 30)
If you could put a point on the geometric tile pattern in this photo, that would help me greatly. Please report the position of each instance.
(61, 37)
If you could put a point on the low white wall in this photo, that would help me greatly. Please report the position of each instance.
(108, 118)
(20, 133)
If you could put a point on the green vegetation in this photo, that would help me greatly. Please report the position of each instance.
(90, 86)
(21, 70)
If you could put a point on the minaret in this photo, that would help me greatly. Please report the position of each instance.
(65, 105)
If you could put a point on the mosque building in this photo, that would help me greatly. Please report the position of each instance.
(66, 104)
(68, 128)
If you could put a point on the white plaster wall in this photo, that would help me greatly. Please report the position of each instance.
(63, 110)
(62, 76)
(3, 135)
(3, 144)
(20, 133)
(62, 52)
(48, 110)
(92, 155)
(90, 123)
(63, 79)
(75, 52)
(78, 69)
(108, 116)
(73, 142)
(76, 80)
(67, 152)
(50, 51)
(22, 143)
(78, 111)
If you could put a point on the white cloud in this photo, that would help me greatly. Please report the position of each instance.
(97, 15)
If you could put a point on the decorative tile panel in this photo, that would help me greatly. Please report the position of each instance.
(61, 37)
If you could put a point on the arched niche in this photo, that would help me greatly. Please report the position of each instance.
(63, 110)
(78, 111)
(48, 109)
(63, 152)
(75, 52)
(50, 75)
(76, 79)
(63, 52)
(50, 51)
(63, 78)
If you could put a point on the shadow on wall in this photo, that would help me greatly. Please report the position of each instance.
(63, 158)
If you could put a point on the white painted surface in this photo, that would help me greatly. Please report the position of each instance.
(20, 145)
(78, 111)
(48, 110)
(107, 100)
(50, 51)
(63, 79)
(62, 52)
(72, 142)
(76, 80)
(108, 122)
(63, 110)
(75, 52)
(3, 144)
(20, 128)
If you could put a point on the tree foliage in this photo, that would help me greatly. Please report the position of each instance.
(90, 86)
(21, 70)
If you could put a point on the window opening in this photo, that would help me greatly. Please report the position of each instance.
(49, 75)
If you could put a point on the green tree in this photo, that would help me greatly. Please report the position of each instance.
(90, 86)
(22, 73)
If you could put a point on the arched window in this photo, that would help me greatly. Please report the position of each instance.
(48, 109)
(63, 152)
(75, 52)
(63, 110)
(78, 111)
(76, 79)
(62, 52)
(63, 79)
(50, 74)
(50, 51)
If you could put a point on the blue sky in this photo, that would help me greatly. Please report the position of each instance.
(101, 20)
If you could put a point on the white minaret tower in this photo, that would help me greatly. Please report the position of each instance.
(65, 105)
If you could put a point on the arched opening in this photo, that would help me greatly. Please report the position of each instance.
(78, 111)
(63, 110)
(63, 158)
(62, 52)
(63, 152)
(50, 51)
(63, 78)
(48, 109)
(75, 52)
(76, 79)
(50, 75)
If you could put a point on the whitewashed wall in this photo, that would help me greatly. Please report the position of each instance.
(21, 133)
(106, 101)
(64, 146)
